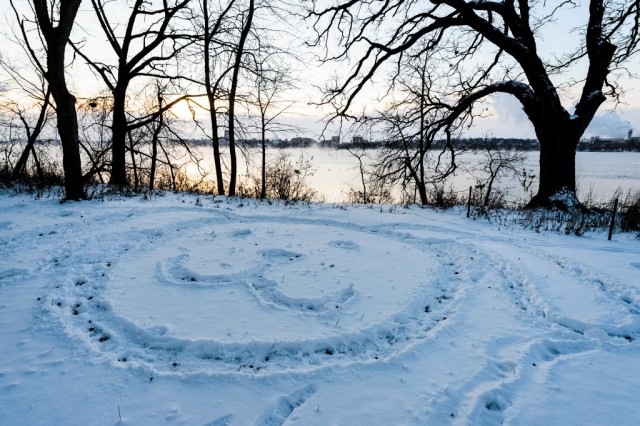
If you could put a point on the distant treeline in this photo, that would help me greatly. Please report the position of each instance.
(463, 143)
(607, 145)
(590, 145)
(595, 144)
(277, 143)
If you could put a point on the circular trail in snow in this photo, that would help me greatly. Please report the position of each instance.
(202, 292)
(268, 281)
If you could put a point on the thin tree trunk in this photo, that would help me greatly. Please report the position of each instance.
(365, 197)
(118, 139)
(154, 157)
(154, 145)
(215, 138)
(32, 136)
(171, 171)
(487, 196)
(215, 141)
(36, 161)
(263, 189)
(136, 181)
(232, 98)
(423, 89)
(21, 164)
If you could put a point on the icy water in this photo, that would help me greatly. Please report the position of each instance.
(336, 171)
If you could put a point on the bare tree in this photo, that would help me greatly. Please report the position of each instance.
(223, 33)
(409, 157)
(214, 33)
(375, 189)
(213, 89)
(145, 47)
(269, 81)
(459, 32)
(497, 163)
(55, 20)
(235, 50)
(95, 135)
(36, 89)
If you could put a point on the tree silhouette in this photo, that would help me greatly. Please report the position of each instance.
(54, 22)
(483, 48)
(142, 48)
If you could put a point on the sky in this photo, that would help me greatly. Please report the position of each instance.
(506, 120)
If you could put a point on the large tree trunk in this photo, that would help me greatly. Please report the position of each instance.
(558, 141)
(68, 131)
(67, 122)
(56, 39)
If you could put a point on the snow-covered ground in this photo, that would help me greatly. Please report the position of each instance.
(213, 311)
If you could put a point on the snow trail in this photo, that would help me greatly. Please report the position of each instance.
(231, 312)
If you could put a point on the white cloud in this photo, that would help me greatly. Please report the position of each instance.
(609, 124)
(507, 120)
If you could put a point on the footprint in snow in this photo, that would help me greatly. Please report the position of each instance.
(280, 255)
(346, 245)
(222, 421)
(238, 233)
(285, 407)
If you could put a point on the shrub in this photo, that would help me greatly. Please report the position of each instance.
(286, 180)
(630, 212)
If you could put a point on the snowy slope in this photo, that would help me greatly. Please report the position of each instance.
(214, 311)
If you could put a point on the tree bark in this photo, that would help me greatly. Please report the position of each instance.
(119, 137)
(263, 186)
(68, 131)
(211, 97)
(32, 136)
(232, 97)
(136, 181)
(154, 144)
(558, 142)
(56, 39)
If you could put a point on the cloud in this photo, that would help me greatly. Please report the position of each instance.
(507, 120)
(609, 124)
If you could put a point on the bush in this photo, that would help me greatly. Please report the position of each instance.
(630, 212)
(285, 180)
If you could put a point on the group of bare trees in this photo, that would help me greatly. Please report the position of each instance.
(156, 55)
(440, 58)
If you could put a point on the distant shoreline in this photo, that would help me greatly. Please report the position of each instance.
(595, 144)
